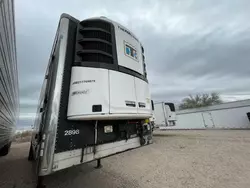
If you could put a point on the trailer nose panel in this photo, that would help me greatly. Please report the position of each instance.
(89, 93)
(143, 97)
(122, 93)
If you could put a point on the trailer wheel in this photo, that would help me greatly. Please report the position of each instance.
(31, 154)
(5, 150)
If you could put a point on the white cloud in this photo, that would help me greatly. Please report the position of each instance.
(191, 46)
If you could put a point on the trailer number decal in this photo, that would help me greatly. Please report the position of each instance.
(71, 132)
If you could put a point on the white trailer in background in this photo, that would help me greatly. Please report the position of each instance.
(230, 115)
(165, 115)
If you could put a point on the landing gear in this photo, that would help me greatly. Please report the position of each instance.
(40, 182)
(99, 165)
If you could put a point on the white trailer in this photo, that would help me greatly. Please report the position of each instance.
(230, 115)
(95, 99)
(165, 115)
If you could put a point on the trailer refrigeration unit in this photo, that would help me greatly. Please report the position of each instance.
(165, 115)
(95, 99)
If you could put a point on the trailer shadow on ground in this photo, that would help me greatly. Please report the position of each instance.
(88, 176)
(167, 135)
(18, 172)
(170, 134)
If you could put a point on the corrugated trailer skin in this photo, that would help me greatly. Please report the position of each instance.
(9, 94)
(231, 115)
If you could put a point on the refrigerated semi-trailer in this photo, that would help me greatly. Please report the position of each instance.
(95, 99)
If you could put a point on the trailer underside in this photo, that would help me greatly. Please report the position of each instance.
(70, 158)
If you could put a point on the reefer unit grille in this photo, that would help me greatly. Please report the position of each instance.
(94, 42)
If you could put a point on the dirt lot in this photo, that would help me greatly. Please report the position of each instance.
(201, 159)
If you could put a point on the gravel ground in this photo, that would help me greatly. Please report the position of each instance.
(203, 159)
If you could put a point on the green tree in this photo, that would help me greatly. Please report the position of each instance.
(200, 100)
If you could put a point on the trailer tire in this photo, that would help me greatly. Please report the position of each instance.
(31, 154)
(5, 150)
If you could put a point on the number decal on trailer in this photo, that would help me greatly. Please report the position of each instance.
(71, 132)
